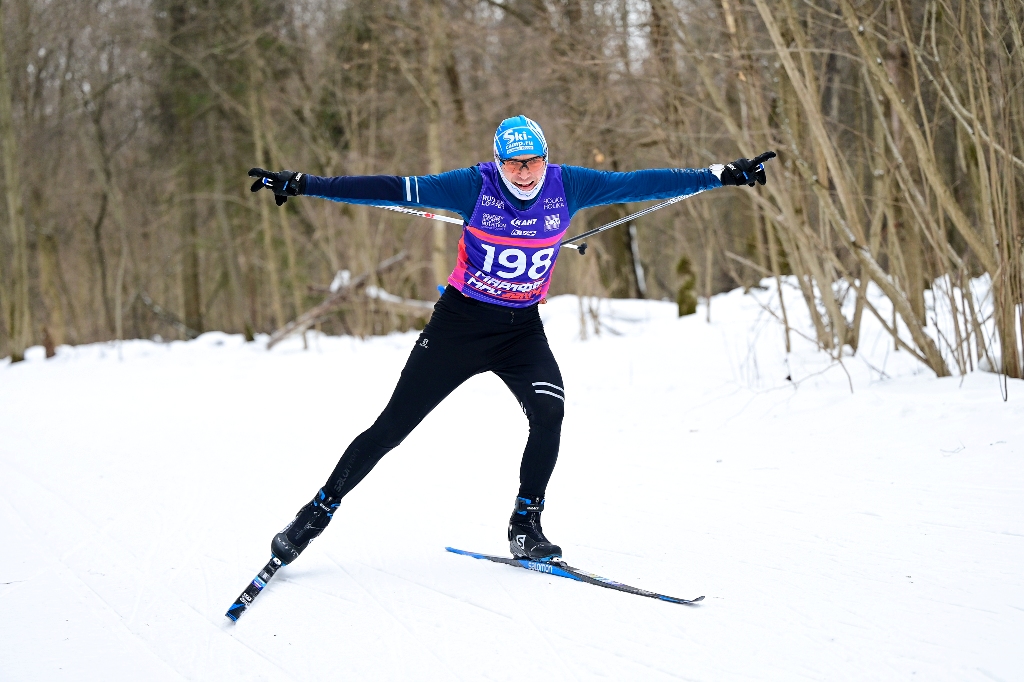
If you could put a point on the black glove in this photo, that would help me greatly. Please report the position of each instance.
(743, 171)
(283, 184)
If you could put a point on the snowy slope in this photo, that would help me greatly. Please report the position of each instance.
(838, 535)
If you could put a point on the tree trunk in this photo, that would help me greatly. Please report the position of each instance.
(435, 162)
(20, 314)
(191, 294)
(49, 269)
(237, 307)
(255, 121)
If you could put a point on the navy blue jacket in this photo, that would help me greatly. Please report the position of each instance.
(457, 190)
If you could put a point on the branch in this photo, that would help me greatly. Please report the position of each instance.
(961, 113)
(508, 10)
(895, 335)
(332, 302)
(167, 316)
(379, 294)
(749, 263)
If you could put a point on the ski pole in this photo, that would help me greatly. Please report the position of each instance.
(582, 248)
(421, 214)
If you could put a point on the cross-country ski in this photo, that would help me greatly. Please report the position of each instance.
(253, 589)
(564, 570)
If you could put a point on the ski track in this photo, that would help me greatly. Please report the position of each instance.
(876, 534)
(67, 574)
(284, 673)
(545, 640)
(133, 576)
(433, 589)
(298, 583)
(398, 621)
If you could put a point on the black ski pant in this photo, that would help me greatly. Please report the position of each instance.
(466, 337)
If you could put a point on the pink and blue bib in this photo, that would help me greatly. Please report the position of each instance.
(505, 255)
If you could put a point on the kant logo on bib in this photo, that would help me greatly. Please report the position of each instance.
(519, 222)
(552, 223)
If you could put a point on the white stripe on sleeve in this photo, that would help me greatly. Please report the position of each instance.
(408, 194)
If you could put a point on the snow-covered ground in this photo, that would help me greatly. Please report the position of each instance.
(867, 534)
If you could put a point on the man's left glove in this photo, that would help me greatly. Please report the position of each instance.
(742, 171)
(283, 184)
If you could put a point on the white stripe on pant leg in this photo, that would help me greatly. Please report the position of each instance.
(408, 194)
(544, 383)
(550, 393)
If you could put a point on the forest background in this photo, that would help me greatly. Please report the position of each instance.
(127, 128)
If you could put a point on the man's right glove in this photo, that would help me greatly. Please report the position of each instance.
(742, 171)
(283, 184)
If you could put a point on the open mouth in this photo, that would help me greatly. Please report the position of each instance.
(525, 186)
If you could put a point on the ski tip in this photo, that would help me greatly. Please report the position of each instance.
(236, 610)
(676, 600)
(460, 551)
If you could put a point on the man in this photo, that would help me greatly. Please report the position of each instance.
(516, 211)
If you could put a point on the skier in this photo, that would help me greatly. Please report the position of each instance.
(516, 211)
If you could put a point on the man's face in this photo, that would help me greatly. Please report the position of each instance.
(524, 176)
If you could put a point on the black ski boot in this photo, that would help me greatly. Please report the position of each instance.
(307, 524)
(525, 537)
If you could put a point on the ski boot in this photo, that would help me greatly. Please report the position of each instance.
(525, 537)
(307, 525)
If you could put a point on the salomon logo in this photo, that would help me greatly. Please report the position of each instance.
(423, 343)
(521, 541)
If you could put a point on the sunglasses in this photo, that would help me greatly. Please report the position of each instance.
(532, 164)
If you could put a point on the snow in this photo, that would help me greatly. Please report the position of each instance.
(872, 533)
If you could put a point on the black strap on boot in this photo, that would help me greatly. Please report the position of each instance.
(525, 505)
